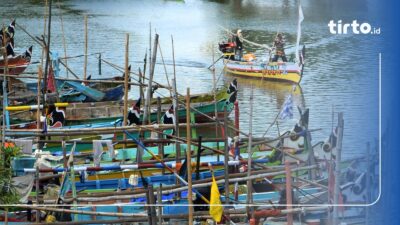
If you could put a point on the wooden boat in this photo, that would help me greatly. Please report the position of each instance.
(76, 92)
(280, 71)
(108, 111)
(249, 66)
(17, 65)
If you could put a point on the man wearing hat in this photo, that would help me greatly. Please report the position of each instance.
(279, 45)
(239, 45)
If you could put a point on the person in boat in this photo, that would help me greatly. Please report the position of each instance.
(239, 45)
(56, 116)
(134, 114)
(279, 45)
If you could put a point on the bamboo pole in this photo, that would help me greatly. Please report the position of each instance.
(151, 207)
(199, 184)
(63, 35)
(45, 13)
(159, 201)
(80, 80)
(175, 104)
(47, 45)
(37, 188)
(289, 193)
(146, 115)
(226, 166)
(249, 200)
(337, 168)
(126, 80)
(86, 49)
(188, 156)
(4, 86)
(38, 114)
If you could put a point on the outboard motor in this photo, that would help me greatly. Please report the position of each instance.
(228, 49)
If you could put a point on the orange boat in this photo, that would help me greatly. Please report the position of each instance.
(17, 64)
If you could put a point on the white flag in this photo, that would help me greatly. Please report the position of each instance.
(287, 109)
(301, 18)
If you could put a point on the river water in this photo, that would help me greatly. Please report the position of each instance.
(341, 72)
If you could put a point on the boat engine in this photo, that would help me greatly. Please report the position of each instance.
(227, 49)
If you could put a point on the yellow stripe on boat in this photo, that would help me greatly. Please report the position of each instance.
(33, 107)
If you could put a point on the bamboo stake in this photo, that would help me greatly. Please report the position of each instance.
(288, 192)
(159, 201)
(126, 80)
(146, 115)
(37, 188)
(80, 80)
(38, 122)
(86, 49)
(63, 35)
(188, 156)
(337, 167)
(226, 159)
(47, 45)
(44, 28)
(4, 113)
(249, 199)
(176, 105)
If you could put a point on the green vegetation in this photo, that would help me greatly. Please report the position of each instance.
(8, 193)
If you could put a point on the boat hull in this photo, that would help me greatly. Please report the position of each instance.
(279, 71)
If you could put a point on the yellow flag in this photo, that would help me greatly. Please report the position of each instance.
(216, 208)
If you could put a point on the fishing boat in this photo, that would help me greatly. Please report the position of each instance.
(279, 71)
(250, 66)
(17, 64)
(77, 113)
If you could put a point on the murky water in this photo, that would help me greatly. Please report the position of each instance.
(341, 72)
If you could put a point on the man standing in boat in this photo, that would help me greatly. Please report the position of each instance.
(239, 45)
(279, 45)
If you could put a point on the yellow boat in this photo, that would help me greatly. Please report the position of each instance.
(281, 71)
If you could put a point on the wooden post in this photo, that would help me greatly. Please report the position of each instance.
(160, 145)
(159, 201)
(64, 150)
(99, 66)
(236, 104)
(152, 208)
(338, 159)
(199, 150)
(249, 199)
(46, 68)
(126, 86)
(215, 97)
(63, 35)
(38, 114)
(37, 189)
(4, 112)
(176, 125)
(188, 156)
(141, 82)
(146, 115)
(226, 159)
(288, 193)
(86, 49)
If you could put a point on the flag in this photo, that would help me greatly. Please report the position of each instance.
(301, 18)
(287, 109)
(216, 208)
